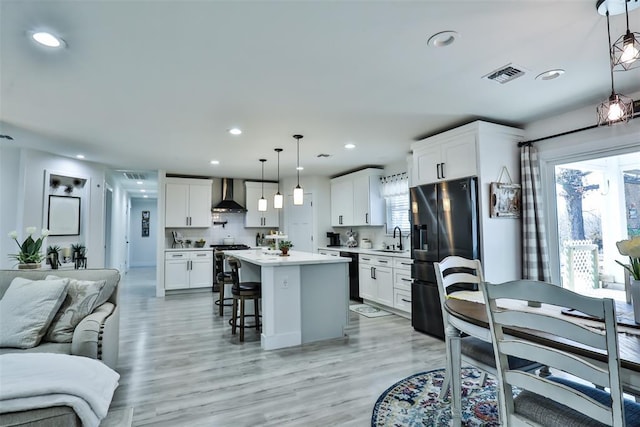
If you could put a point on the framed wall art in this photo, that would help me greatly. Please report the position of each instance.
(145, 223)
(505, 200)
(64, 216)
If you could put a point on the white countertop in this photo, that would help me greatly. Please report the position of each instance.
(357, 250)
(187, 249)
(264, 258)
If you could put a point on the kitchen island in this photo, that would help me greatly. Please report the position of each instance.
(305, 296)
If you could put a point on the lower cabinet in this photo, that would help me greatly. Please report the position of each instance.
(188, 269)
(376, 279)
(402, 284)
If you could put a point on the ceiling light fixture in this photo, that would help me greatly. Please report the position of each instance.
(139, 182)
(47, 39)
(278, 200)
(550, 74)
(443, 39)
(617, 108)
(262, 203)
(626, 50)
(349, 146)
(298, 192)
(235, 131)
(79, 156)
(215, 162)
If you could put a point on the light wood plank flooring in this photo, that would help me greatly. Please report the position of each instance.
(180, 365)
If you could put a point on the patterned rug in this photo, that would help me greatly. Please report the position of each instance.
(368, 311)
(414, 401)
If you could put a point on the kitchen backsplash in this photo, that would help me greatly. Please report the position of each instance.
(213, 235)
(377, 236)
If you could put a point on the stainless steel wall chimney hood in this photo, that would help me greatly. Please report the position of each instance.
(228, 205)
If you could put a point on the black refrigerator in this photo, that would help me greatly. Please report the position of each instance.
(444, 221)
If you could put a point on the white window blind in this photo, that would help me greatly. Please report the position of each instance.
(395, 190)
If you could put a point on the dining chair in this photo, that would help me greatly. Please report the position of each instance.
(223, 278)
(241, 292)
(574, 395)
(456, 273)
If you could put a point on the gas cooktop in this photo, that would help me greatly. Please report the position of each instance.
(235, 247)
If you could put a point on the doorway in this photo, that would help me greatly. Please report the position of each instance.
(596, 204)
(300, 223)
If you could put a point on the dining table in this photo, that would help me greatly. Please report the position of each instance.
(468, 316)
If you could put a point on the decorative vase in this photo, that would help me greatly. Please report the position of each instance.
(29, 266)
(635, 299)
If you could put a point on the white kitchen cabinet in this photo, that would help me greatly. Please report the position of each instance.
(254, 217)
(188, 269)
(376, 279)
(444, 160)
(187, 202)
(402, 284)
(356, 200)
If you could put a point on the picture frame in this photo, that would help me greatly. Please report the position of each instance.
(145, 223)
(506, 200)
(63, 217)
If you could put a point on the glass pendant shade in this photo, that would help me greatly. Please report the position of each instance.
(298, 192)
(278, 199)
(262, 203)
(298, 195)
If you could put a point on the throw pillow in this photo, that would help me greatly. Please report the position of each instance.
(81, 300)
(105, 292)
(27, 308)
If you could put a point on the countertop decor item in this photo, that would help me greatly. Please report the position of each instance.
(30, 249)
(351, 241)
(200, 243)
(284, 246)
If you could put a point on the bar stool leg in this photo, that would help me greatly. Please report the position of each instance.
(242, 319)
(257, 314)
(234, 316)
(221, 297)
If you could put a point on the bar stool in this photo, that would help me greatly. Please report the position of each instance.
(222, 278)
(243, 291)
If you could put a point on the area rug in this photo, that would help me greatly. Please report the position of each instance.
(414, 401)
(369, 311)
(122, 417)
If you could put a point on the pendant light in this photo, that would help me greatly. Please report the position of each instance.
(262, 203)
(617, 108)
(278, 200)
(626, 50)
(298, 192)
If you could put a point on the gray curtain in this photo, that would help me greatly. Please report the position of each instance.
(535, 252)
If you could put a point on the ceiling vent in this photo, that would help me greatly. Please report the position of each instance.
(505, 74)
(135, 176)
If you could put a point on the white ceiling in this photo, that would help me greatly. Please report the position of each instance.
(146, 85)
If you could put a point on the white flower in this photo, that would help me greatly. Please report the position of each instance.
(45, 232)
(630, 248)
(13, 234)
(31, 230)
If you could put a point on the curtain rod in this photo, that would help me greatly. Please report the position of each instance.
(636, 105)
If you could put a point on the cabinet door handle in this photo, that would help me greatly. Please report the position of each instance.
(374, 272)
(366, 218)
(382, 261)
(340, 219)
(366, 259)
(405, 300)
(442, 170)
(438, 170)
(404, 279)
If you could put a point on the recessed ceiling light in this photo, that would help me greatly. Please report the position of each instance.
(550, 75)
(47, 39)
(443, 38)
(145, 196)
(300, 168)
(215, 162)
(350, 146)
(235, 131)
(79, 156)
(143, 191)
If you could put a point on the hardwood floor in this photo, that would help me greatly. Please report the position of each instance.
(180, 365)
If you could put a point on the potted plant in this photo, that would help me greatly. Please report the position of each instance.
(200, 243)
(284, 246)
(78, 251)
(29, 256)
(53, 256)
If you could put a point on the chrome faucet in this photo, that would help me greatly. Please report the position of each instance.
(399, 237)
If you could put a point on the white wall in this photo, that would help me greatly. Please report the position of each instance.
(23, 203)
(143, 249)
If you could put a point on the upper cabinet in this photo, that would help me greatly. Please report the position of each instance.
(188, 202)
(356, 200)
(444, 159)
(255, 218)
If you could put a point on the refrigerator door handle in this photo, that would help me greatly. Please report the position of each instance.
(442, 170)
(438, 170)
